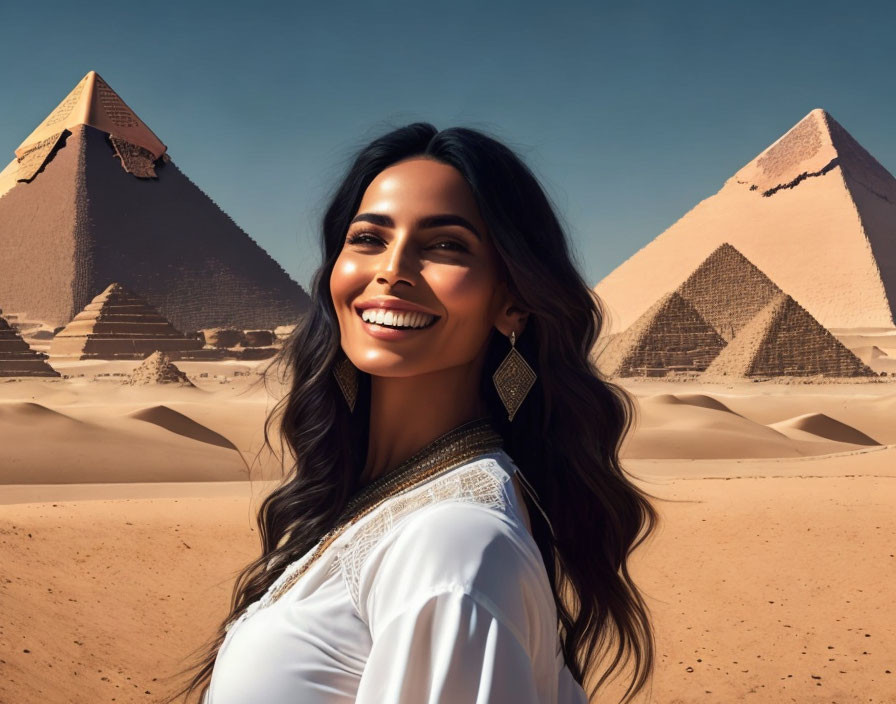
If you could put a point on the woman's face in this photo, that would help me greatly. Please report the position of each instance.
(418, 245)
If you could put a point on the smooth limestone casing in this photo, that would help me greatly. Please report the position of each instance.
(827, 240)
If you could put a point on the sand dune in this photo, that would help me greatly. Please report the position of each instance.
(870, 414)
(826, 427)
(699, 430)
(45, 446)
(869, 352)
(178, 423)
(701, 400)
(699, 426)
(27, 412)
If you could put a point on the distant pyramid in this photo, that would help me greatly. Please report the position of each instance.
(669, 337)
(783, 339)
(157, 369)
(118, 324)
(93, 197)
(814, 211)
(17, 358)
(727, 290)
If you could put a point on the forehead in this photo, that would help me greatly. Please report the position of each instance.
(420, 186)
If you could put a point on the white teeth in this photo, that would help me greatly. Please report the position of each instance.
(388, 317)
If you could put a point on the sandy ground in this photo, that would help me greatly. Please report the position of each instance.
(770, 579)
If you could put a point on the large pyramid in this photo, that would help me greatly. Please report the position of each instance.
(17, 358)
(814, 211)
(118, 324)
(783, 339)
(92, 197)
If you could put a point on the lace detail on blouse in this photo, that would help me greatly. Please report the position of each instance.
(481, 483)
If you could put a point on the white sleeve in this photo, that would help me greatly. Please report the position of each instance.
(458, 612)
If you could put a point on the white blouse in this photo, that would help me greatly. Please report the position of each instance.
(439, 595)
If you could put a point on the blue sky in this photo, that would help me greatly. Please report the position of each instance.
(629, 112)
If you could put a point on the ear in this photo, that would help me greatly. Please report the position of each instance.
(511, 318)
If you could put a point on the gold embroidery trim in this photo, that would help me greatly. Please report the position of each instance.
(443, 454)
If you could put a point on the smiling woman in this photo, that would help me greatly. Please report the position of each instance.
(456, 525)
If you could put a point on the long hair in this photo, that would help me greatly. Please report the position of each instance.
(565, 437)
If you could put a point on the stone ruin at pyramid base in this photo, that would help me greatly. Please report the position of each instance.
(683, 373)
(157, 369)
(219, 353)
(116, 347)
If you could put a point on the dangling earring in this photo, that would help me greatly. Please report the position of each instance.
(347, 377)
(513, 378)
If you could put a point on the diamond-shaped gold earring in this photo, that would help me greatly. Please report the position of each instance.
(347, 377)
(513, 378)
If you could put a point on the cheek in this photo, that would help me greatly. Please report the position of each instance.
(346, 281)
(465, 292)
(343, 279)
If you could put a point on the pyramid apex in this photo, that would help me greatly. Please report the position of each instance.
(93, 102)
(805, 148)
(812, 147)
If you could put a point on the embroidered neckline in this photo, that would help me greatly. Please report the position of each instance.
(483, 483)
(448, 451)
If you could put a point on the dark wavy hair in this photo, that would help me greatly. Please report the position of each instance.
(565, 437)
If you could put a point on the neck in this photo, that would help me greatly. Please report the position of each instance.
(408, 413)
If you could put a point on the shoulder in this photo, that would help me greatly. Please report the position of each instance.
(450, 554)
(460, 542)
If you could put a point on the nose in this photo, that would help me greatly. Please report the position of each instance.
(395, 262)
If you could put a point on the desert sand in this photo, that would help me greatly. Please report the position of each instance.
(125, 514)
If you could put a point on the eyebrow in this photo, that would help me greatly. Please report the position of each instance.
(430, 221)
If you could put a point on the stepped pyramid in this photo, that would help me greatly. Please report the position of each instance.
(783, 339)
(727, 290)
(671, 336)
(117, 324)
(157, 369)
(92, 196)
(17, 358)
(814, 211)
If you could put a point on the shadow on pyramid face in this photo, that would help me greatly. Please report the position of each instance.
(135, 218)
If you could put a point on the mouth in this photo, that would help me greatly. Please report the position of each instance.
(399, 326)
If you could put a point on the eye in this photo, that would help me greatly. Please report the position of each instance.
(454, 246)
(362, 238)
